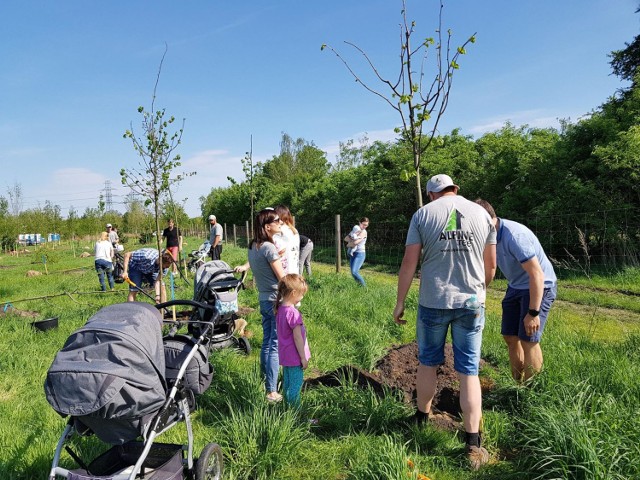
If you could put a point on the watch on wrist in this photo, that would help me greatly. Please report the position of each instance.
(533, 312)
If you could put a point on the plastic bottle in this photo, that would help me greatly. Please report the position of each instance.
(472, 303)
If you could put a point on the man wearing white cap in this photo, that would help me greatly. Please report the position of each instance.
(455, 240)
(215, 238)
(113, 235)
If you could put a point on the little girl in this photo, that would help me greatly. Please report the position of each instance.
(293, 349)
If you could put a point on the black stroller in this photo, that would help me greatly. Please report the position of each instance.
(216, 285)
(118, 378)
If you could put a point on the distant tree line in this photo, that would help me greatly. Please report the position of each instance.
(48, 219)
(588, 167)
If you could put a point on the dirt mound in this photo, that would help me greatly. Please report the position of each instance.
(397, 371)
(11, 310)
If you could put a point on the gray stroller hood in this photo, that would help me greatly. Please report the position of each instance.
(110, 373)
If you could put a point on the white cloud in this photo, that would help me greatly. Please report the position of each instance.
(212, 168)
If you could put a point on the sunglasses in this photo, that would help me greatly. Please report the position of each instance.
(276, 219)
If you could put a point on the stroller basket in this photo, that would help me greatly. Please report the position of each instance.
(199, 373)
(163, 462)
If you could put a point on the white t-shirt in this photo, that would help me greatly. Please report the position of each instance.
(291, 243)
(104, 250)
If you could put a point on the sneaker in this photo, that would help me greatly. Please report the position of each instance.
(420, 418)
(478, 456)
(274, 397)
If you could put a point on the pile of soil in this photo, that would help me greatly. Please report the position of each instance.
(397, 371)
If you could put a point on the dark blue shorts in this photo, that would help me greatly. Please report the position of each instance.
(515, 306)
(141, 279)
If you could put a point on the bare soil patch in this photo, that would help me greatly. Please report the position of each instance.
(396, 371)
(11, 310)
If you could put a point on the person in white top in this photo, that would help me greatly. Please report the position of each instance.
(104, 260)
(289, 239)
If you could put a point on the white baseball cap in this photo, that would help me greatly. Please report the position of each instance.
(212, 217)
(437, 183)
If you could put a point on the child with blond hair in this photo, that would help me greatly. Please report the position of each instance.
(293, 349)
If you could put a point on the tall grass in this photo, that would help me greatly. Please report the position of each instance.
(578, 419)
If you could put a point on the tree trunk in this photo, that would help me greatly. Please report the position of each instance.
(418, 184)
(158, 245)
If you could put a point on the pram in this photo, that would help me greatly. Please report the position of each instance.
(198, 257)
(118, 378)
(216, 285)
(118, 266)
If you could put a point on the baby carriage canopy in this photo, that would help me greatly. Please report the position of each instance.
(110, 372)
(215, 284)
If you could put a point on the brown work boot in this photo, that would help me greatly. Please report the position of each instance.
(478, 456)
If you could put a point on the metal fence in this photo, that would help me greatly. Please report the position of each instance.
(608, 239)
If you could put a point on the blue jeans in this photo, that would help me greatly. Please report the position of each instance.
(292, 379)
(103, 266)
(355, 261)
(269, 362)
(466, 333)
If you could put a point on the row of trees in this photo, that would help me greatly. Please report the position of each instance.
(48, 219)
(589, 166)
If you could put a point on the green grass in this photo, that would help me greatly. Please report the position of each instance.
(578, 419)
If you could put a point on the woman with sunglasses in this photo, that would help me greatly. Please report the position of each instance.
(265, 263)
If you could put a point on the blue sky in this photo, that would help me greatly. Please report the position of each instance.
(73, 73)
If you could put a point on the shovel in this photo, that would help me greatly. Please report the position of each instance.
(130, 282)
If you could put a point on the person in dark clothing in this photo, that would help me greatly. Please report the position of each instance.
(304, 261)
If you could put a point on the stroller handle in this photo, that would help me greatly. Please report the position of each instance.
(191, 303)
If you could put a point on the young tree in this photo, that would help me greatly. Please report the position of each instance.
(247, 169)
(15, 198)
(156, 147)
(414, 98)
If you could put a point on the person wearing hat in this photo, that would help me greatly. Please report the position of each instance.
(454, 240)
(531, 290)
(215, 238)
(113, 235)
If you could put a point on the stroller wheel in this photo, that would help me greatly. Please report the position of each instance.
(244, 345)
(209, 465)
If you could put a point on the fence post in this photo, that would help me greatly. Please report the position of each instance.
(338, 244)
(235, 233)
(226, 237)
(246, 225)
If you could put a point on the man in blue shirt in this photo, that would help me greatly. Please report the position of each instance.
(531, 290)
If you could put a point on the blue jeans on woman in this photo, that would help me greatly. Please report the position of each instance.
(103, 266)
(269, 362)
(355, 261)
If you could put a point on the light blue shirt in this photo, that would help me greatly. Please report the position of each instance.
(517, 245)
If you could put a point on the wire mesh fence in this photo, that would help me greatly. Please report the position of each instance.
(609, 239)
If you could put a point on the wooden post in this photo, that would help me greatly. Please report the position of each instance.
(235, 235)
(338, 244)
(226, 237)
(246, 225)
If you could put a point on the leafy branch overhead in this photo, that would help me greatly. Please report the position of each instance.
(156, 147)
(152, 177)
(417, 95)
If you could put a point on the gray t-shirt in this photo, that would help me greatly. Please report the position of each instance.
(453, 233)
(215, 231)
(260, 261)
